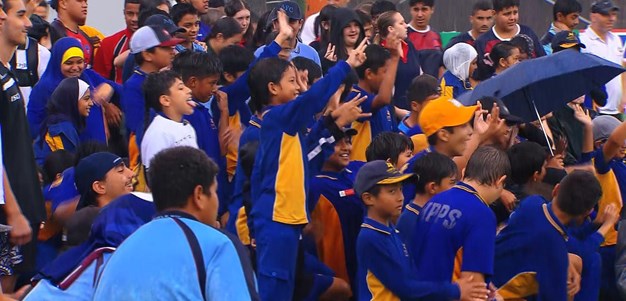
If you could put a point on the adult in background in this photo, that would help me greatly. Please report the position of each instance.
(481, 21)
(71, 14)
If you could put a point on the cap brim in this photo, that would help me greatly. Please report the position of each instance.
(171, 42)
(463, 116)
(570, 45)
(396, 179)
(350, 132)
(512, 119)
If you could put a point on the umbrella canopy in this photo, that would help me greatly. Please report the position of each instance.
(545, 84)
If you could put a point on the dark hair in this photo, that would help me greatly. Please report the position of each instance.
(196, 64)
(180, 10)
(148, 4)
(364, 16)
(302, 63)
(377, 57)
(421, 88)
(40, 28)
(325, 15)
(144, 14)
(43, 4)
(227, 26)
(175, 173)
(525, 44)
(566, 7)
(269, 70)
(482, 5)
(349, 81)
(342, 17)
(63, 106)
(487, 165)
(388, 146)
(381, 6)
(139, 60)
(432, 139)
(385, 20)
(125, 2)
(430, 3)
(235, 59)
(375, 190)
(432, 167)
(232, 8)
(499, 5)
(526, 158)
(502, 50)
(55, 163)
(155, 85)
(261, 31)
(87, 148)
(578, 193)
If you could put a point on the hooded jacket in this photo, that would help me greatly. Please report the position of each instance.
(341, 19)
(457, 60)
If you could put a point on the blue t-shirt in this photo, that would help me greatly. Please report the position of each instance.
(454, 222)
(408, 221)
(302, 50)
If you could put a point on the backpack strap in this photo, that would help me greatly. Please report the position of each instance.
(26, 77)
(196, 250)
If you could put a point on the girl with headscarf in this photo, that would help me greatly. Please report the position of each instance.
(460, 60)
(67, 60)
(346, 33)
(67, 110)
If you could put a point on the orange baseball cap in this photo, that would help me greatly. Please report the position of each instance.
(444, 112)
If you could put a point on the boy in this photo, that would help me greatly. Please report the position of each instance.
(565, 14)
(314, 71)
(281, 173)
(391, 147)
(434, 173)
(337, 211)
(481, 21)
(533, 247)
(376, 79)
(167, 95)
(185, 16)
(384, 267)
(153, 50)
(182, 180)
(528, 167)
(454, 237)
(505, 28)
(426, 41)
(423, 89)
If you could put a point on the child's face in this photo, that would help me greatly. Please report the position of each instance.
(205, 87)
(368, 30)
(389, 202)
(570, 20)
(191, 23)
(287, 88)
(510, 60)
(243, 18)
(180, 98)
(341, 157)
(162, 56)
(472, 67)
(404, 157)
(73, 67)
(507, 18)
(421, 15)
(85, 104)
(351, 34)
(458, 138)
(375, 78)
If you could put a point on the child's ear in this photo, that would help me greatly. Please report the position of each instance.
(368, 73)
(98, 187)
(192, 82)
(197, 198)
(555, 191)
(443, 135)
(219, 37)
(368, 199)
(500, 182)
(415, 107)
(597, 144)
(164, 100)
(229, 77)
(502, 62)
(431, 188)
(272, 88)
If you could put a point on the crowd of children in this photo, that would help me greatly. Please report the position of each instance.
(207, 152)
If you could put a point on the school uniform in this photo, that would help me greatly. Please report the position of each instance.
(429, 49)
(408, 187)
(336, 206)
(385, 271)
(455, 232)
(59, 136)
(280, 182)
(465, 37)
(164, 133)
(408, 221)
(367, 128)
(409, 67)
(420, 141)
(531, 258)
(133, 106)
(452, 86)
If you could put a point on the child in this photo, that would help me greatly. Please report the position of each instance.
(240, 11)
(503, 56)
(422, 90)
(368, 26)
(185, 16)
(151, 55)
(434, 173)
(235, 61)
(565, 14)
(528, 167)
(533, 246)
(346, 34)
(225, 32)
(425, 40)
(314, 72)
(391, 147)
(167, 95)
(67, 109)
(384, 267)
(460, 219)
(280, 177)
(376, 80)
(460, 60)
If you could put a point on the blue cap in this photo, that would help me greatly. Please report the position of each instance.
(604, 7)
(165, 22)
(90, 169)
(378, 172)
(291, 9)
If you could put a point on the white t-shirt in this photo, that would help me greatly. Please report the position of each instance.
(308, 29)
(165, 133)
(612, 50)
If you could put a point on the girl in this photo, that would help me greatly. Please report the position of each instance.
(503, 56)
(322, 27)
(460, 60)
(225, 32)
(240, 11)
(346, 33)
(67, 110)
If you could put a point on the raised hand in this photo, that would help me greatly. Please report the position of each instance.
(283, 24)
(330, 53)
(222, 101)
(350, 111)
(357, 56)
(582, 116)
(302, 79)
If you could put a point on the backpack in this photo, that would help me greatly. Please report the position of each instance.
(25, 66)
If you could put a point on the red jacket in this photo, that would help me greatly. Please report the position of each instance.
(111, 47)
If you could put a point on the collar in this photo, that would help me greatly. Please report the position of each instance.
(75, 32)
(463, 186)
(493, 29)
(376, 226)
(405, 49)
(420, 31)
(255, 121)
(594, 35)
(413, 208)
(139, 71)
(469, 33)
(547, 211)
(183, 121)
(175, 214)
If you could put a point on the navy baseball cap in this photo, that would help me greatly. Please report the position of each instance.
(565, 40)
(90, 169)
(165, 22)
(150, 36)
(510, 119)
(604, 7)
(291, 9)
(378, 172)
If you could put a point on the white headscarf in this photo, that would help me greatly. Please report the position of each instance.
(82, 88)
(457, 60)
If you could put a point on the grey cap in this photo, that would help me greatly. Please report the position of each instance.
(603, 126)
